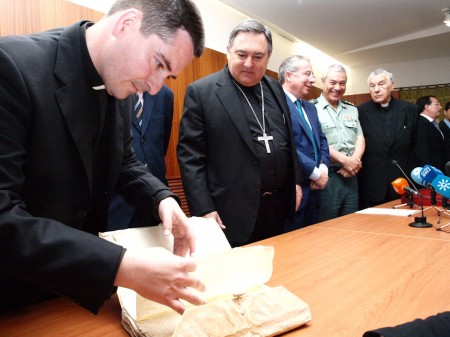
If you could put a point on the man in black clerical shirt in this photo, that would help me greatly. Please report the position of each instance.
(235, 150)
(389, 127)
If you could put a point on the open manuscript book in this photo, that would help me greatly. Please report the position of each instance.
(238, 302)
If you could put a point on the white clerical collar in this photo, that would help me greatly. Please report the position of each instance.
(99, 87)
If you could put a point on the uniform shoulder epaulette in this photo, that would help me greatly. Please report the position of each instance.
(313, 101)
(348, 103)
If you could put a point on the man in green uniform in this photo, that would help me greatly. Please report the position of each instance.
(340, 124)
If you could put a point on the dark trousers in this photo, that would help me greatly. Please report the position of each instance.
(308, 213)
(270, 220)
(340, 197)
(390, 195)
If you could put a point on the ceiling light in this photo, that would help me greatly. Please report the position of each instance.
(446, 12)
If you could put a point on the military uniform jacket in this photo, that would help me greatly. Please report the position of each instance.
(341, 127)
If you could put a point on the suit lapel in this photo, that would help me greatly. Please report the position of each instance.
(77, 109)
(231, 102)
(309, 114)
(279, 95)
(295, 115)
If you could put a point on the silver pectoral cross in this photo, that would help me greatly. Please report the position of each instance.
(265, 138)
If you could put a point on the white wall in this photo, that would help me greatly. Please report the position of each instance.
(220, 19)
(407, 74)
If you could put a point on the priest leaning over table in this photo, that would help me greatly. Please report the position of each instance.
(66, 147)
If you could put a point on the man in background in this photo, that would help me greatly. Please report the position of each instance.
(235, 150)
(151, 126)
(444, 125)
(389, 126)
(296, 77)
(429, 144)
(340, 124)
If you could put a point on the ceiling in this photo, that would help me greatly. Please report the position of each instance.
(359, 32)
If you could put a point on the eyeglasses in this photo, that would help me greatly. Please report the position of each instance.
(306, 73)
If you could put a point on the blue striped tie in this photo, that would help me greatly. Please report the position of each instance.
(298, 104)
(138, 108)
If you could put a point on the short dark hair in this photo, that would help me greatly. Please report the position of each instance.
(165, 17)
(251, 26)
(422, 101)
(447, 106)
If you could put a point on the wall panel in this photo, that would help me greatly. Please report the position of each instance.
(31, 16)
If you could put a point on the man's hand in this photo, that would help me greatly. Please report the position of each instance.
(160, 276)
(215, 215)
(298, 196)
(321, 182)
(352, 165)
(175, 221)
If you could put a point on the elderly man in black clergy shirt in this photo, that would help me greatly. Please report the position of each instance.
(389, 126)
(236, 154)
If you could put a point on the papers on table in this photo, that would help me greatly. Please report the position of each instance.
(389, 211)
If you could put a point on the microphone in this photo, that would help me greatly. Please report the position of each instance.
(411, 191)
(429, 173)
(436, 179)
(400, 186)
(404, 174)
(415, 175)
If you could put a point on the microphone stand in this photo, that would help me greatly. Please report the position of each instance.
(445, 206)
(409, 203)
(420, 221)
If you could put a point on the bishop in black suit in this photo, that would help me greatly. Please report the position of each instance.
(236, 153)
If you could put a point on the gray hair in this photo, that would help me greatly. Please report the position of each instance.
(165, 17)
(290, 64)
(251, 26)
(379, 71)
(334, 67)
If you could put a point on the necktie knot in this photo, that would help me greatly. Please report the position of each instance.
(298, 104)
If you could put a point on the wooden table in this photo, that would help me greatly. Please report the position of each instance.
(357, 273)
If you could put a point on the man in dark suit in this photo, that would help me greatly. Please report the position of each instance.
(429, 144)
(151, 134)
(66, 147)
(444, 125)
(235, 150)
(389, 125)
(296, 77)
